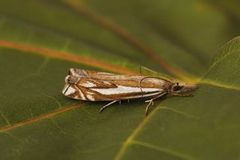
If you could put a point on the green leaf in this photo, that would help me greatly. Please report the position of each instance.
(41, 40)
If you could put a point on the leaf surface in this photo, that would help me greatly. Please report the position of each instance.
(41, 40)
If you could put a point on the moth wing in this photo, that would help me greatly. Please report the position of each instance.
(104, 90)
(86, 73)
(92, 83)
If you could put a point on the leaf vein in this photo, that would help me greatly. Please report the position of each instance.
(65, 56)
(39, 118)
(5, 118)
(221, 85)
(218, 61)
(180, 112)
(132, 136)
(123, 34)
(165, 150)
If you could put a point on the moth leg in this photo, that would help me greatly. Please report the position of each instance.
(150, 102)
(107, 105)
(148, 106)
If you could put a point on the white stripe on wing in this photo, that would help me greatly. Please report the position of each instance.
(124, 89)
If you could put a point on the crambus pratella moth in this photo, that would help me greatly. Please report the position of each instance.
(102, 86)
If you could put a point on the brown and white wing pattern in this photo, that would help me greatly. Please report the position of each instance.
(91, 91)
(124, 92)
(101, 86)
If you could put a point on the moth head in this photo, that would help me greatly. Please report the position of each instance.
(182, 88)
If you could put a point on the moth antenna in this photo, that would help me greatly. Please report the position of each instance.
(150, 70)
(140, 82)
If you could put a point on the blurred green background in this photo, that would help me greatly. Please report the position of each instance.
(187, 39)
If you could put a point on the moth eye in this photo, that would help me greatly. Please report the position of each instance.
(177, 87)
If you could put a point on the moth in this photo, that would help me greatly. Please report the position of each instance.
(89, 85)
